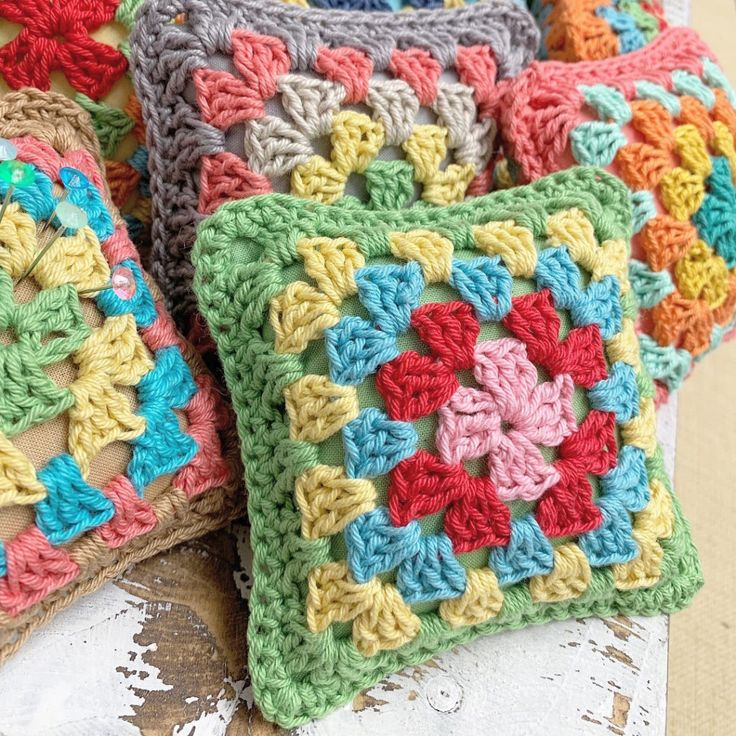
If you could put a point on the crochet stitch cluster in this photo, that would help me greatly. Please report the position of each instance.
(589, 30)
(110, 433)
(461, 428)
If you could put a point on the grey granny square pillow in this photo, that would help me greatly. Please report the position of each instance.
(380, 109)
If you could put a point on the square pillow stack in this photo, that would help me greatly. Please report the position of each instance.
(114, 442)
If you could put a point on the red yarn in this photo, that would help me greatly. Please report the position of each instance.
(226, 100)
(419, 70)
(422, 485)
(55, 37)
(34, 569)
(567, 509)
(206, 414)
(133, 515)
(415, 386)
(478, 519)
(450, 330)
(476, 67)
(225, 177)
(534, 320)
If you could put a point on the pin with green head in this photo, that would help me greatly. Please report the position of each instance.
(13, 173)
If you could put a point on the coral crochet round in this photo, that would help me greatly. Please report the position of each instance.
(56, 37)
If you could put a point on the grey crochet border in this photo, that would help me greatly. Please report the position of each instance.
(165, 54)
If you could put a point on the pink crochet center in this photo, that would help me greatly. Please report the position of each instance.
(507, 419)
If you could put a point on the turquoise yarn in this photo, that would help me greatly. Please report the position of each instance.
(618, 393)
(390, 293)
(486, 284)
(375, 444)
(527, 554)
(72, 505)
(628, 481)
(433, 573)
(375, 545)
(356, 349)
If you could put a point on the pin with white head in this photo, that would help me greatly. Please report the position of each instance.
(73, 180)
(14, 173)
(70, 217)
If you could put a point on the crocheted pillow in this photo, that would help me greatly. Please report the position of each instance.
(446, 427)
(56, 37)
(114, 444)
(587, 30)
(246, 97)
(663, 120)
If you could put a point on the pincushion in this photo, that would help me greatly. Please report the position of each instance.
(663, 120)
(446, 427)
(114, 442)
(245, 98)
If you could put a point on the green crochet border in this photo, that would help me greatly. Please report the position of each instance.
(240, 256)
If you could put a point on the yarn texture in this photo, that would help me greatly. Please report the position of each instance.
(114, 443)
(590, 30)
(56, 37)
(246, 98)
(446, 426)
(663, 119)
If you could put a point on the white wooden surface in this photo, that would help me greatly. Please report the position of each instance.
(95, 668)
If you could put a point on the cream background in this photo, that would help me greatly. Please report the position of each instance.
(702, 673)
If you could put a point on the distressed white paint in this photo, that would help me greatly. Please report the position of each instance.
(215, 723)
(66, 680)
(557, 680)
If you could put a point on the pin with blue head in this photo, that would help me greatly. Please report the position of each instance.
(13, 173)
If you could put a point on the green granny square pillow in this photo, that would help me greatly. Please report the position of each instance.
(446, 427)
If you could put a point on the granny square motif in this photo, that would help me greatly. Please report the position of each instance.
(246, 98)
(663, 120)
(446, 427)
(58, 37)
(588, 30)
(114, 443)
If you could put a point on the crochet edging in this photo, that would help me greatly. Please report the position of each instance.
(268, 624)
